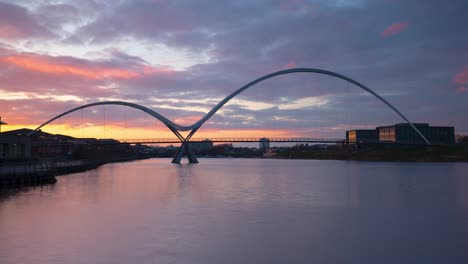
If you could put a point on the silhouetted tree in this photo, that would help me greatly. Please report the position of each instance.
(462, 139)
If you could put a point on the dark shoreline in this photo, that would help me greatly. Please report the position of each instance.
(387, 153)
(44, 172)
(40, 173)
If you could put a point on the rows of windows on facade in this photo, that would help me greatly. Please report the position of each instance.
(403, 133)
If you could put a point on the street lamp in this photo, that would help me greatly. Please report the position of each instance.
(2, 123)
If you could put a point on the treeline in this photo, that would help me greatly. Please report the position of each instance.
(381, 153)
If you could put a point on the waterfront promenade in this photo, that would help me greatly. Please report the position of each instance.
(44, 172)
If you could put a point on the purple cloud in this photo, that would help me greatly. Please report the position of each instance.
(18, 23)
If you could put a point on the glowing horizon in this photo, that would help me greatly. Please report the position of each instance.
(122, 133)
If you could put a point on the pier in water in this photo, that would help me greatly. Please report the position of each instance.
(242, 211)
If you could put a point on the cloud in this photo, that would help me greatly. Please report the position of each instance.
(18, 23)
(462, 77)
(31, 111)
(69, 77)
(295, 6)
(394, 29)
(462, 89)
(289, 65)
(81, 68)
(305, 103)
(56, 16)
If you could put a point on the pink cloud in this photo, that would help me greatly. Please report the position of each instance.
(32, 112)
(26, 111)
(188, 120)
(44, 75)
(84, 69)
(291, 64)
(9, 32)
(462, 89)
(461, 77)
(394, 28)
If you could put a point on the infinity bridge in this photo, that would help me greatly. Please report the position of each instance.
(175, 128)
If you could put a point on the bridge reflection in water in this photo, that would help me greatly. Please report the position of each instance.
(192, 159)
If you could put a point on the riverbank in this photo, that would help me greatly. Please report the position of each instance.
(44, 172)
(382, 153)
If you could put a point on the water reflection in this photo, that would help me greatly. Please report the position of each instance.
(236, 211)
(406, 185)
(461, 185)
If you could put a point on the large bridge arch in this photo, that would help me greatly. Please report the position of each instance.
(200, 122)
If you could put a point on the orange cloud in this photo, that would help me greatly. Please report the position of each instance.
(47, 65)
(394, 28)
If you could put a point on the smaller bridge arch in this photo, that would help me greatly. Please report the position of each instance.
(171, 125)
(175, 128)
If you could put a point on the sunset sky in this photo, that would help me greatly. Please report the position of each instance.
(182, 57)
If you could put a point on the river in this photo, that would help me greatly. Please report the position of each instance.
(242, 211)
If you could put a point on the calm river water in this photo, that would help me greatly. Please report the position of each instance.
(242, 211)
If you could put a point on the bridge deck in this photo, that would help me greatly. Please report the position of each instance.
(233, 140)
(219, 140)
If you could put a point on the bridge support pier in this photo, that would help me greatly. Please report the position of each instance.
(184, 150)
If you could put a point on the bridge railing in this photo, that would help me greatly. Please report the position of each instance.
(286, 140)
(252, 139)
(224, 140)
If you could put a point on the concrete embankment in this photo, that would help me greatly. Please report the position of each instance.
(36, 173)
(24, 179)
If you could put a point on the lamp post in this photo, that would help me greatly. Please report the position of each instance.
(2, 123)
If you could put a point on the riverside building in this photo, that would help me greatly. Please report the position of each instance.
(403, 133)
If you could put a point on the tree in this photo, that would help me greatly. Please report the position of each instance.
(462, 139)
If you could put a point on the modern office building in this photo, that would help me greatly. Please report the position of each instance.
(362, 135)
(404, 133)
